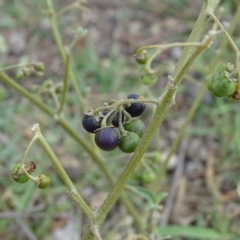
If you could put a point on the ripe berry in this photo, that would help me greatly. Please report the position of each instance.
(135, 109)
(115, 121)
(137, 126)
(90, 123)
(106, 138)
(129, 143)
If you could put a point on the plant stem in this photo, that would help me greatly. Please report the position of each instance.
(188, 56)
(10, 82)
(26, 152)
(65, 80)
(125, 102)
(225, 41)
(58, 40)
(161, 47)
(72, 6)
(232, 43)
(15, 66)
(62, 173)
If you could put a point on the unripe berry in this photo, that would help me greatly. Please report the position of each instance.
(44, 181)
(142, 57)
(148, 77)
(223, 82)
(19, 175)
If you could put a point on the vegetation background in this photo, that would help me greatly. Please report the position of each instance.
(105, 68)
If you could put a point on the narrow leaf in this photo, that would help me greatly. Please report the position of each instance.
(188, 231)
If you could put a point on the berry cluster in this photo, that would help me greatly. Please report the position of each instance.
(32, 69)
(21, 173)
(117, 126)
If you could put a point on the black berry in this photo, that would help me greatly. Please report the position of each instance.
(116, 119)
(106, 138)
(90, 123)
(135, 109)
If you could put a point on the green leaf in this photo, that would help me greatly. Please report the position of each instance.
(191, 232)
(143, 192)
(160, 196)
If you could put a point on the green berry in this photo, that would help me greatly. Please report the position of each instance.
(142, 57)
(129, 143)
(39, 74)
(137, 126)
(39, 67)
(26, 72)
(44, 181)
(223, 82)
(19, 175)
(148, 177)
(19, 75)
(148, 78)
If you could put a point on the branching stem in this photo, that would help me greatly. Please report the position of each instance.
(62, 173)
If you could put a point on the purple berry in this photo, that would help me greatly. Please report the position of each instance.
(115, 121)
(106, 138)
(90, 123)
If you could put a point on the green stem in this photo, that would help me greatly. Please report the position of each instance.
(80, 140)
(195, 35)
(62, 173)
(52, 91)
(65, 80)
(162, 47)
(26, 152)
(71, 7)
(10, 82)
(225, 41)
(188, 56)
(123, 102)
(232, 43)
(58, 40)
(15, 66)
